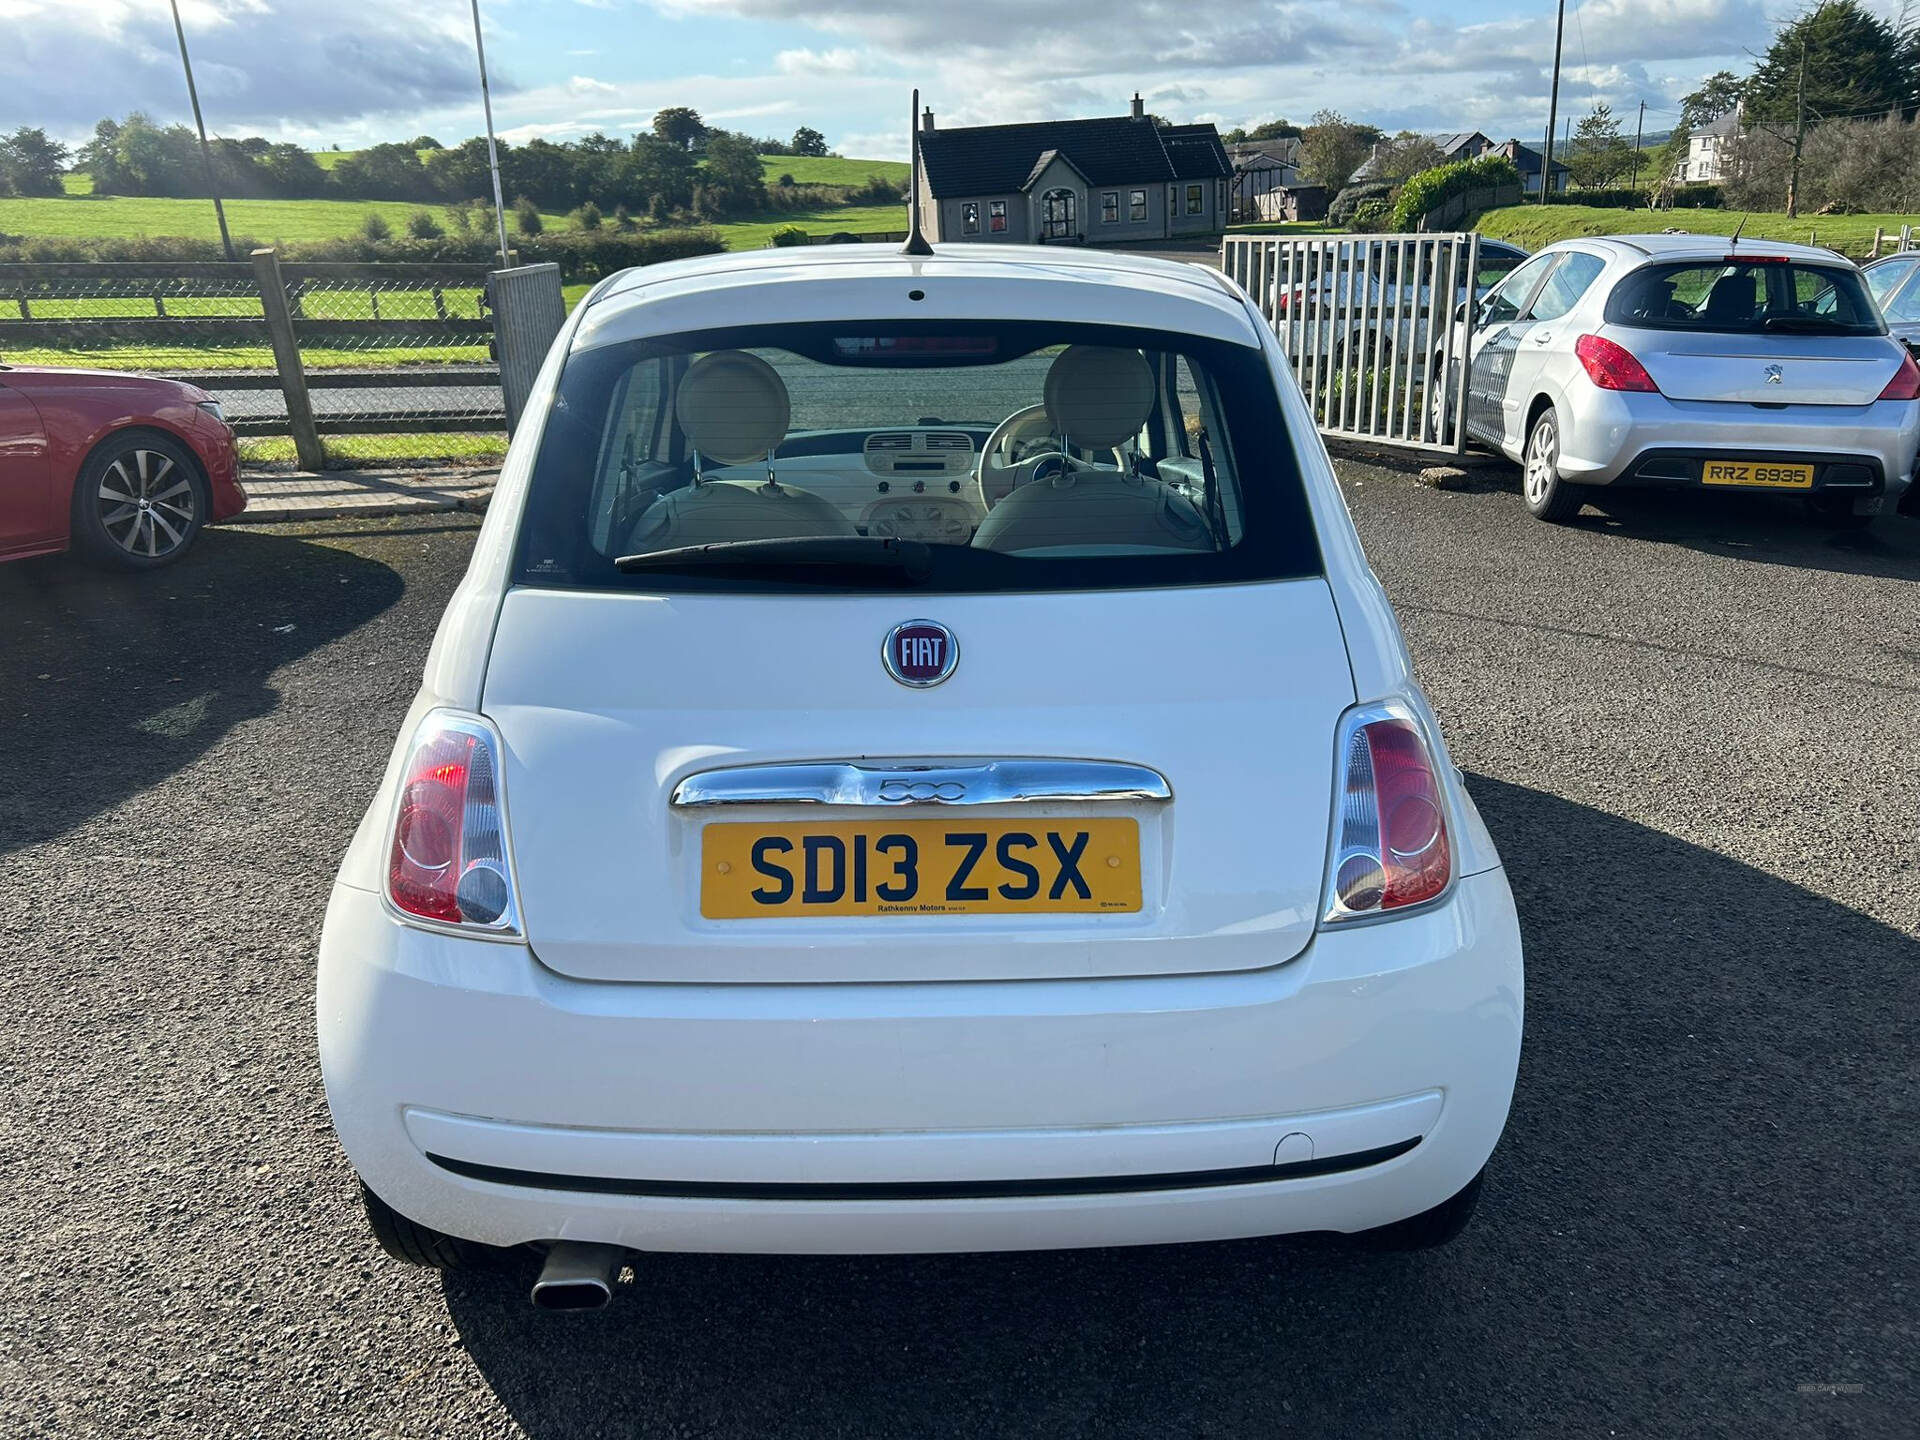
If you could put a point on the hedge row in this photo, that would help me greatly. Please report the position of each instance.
(1626, 197)
(581, 255)
(1431, 189)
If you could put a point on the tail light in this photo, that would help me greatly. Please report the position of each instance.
(1390, 842)
(1287, 299)
(1905, 384)
(447, 862)
(1611, 366)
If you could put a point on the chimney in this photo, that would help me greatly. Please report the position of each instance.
(926, 118)
(1139, 107)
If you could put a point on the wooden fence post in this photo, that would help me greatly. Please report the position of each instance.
(286, 359)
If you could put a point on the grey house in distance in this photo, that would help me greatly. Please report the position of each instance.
(1114, 180)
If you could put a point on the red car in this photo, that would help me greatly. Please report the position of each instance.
(125, 468)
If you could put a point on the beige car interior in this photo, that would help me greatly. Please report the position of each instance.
(734, 409)
(1097, 398)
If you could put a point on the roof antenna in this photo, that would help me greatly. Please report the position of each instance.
(1733, 240)
(916, 242)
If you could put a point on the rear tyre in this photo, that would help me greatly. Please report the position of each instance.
(1547, 496)
(139, 502)
(413, 1244)
(1430, 1229)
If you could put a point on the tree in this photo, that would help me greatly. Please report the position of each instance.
(382, 172)
(1598, 155)
(1407, 153)
(734, 179)
(1856, 64)
(1667, 162)
(31, 164)
(1718, 93)
(1332, 147)
(425, 142)
(808, 141)
(526, 217)
(681, 126)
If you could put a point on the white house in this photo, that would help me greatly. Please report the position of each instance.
(1706, 148)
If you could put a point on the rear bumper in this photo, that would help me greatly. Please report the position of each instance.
(481, 1094)
(1611, 436)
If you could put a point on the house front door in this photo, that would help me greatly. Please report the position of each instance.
(1060, 215)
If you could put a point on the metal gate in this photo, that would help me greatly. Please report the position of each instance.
(1373, 325)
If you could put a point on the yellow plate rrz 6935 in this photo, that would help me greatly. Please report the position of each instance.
(920, 867)
(1753, 472)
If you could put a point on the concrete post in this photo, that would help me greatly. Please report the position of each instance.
(528, 311)
(286, 359)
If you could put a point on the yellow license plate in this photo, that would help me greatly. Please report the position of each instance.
(920, 867)
(1748, 472)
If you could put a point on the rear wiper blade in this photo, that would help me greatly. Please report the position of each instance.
(1812, 324)
(820, 558)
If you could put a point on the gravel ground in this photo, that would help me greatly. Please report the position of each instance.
(1690, 724)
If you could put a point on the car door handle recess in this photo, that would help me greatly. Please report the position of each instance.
(920, 782)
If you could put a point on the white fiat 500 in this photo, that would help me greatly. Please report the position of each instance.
(918, 762)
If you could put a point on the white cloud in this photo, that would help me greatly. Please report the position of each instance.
(820, 62)
(274, 65)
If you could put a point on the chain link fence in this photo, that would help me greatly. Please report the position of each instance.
(393, 362)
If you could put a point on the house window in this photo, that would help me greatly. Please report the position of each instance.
(970, 218)
(1110, 208)
(1137, 205)
(997, 216)
(1220, 197)
(1196, 199)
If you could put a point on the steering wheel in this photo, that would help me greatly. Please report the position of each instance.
(999, 475)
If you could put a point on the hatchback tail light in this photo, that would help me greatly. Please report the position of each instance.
(1390, 844)
(1611, 366)
(1905, 384)
(447, 861)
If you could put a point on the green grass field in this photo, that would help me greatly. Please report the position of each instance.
(85, 216)
(1535, 225)
(830, 169)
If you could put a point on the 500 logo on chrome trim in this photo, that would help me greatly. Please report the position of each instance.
(922, 792)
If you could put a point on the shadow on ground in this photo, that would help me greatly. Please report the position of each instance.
(1770, 529)
(1698, 1191)
(111, 682)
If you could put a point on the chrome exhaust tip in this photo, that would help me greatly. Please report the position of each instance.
(577, 1276)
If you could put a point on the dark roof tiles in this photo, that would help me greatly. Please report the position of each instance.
(1109, 150)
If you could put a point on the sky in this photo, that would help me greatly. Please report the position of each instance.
(352, 72)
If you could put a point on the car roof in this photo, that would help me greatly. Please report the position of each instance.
(878, 282)
(1700, 247)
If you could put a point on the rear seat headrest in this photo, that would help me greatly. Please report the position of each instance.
(1098, 396)
(733, 406)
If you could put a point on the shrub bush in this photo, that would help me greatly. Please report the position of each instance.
(788, 235)
(422, 226)
(586, 217)
(1340, 212)
(1371, 216)
(375, 226)
(1430, 189)
(526, 217)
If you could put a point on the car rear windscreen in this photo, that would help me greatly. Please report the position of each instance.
(952, 456)
(1746, 296)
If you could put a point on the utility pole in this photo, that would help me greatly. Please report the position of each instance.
(493, 154)
(1638, 126)
(206, 151)
(1553, 105)
(1799, 136)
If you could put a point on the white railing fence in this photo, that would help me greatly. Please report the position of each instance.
(1370, 325)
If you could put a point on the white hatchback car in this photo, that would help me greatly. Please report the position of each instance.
(918, 762)
(1692, 360)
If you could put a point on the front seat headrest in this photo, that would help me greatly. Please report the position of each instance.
(1098, 397)
(733, 406)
